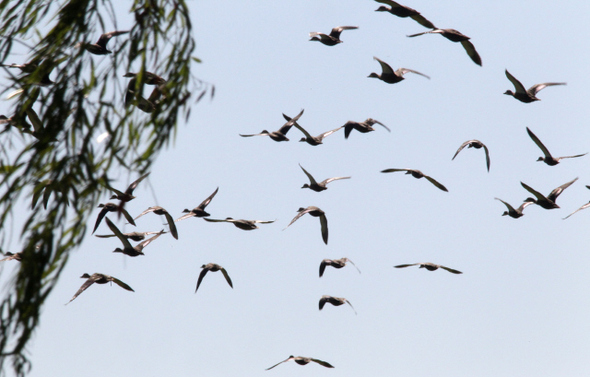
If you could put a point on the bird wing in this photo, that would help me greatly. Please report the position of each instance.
(418, 34)
(403, 71)
(348, 302)
(385, 68)
(133, 185)
(171, 225)
(190, 214)
(351, 262)
(518, 87)
(335, 33)
(326, 181)
(557, 191)
(287, 126)
(227, 278)
(406, 265)
(348, 127)
(122, 285)
(510, 208)
(539, 144)
(578, 155)
(523, 206)
(324, 222)
(468, 46)
(322, 302)
(127, 216)
(322, 363)
(289, 119)
(323, 267)
(461, 148)
(579, 209)
(106, 37)
(301, 213)
(215, 220)
(151, 209)
(487, 155)
(261, 134)
(86, 284)
(101, 214)
(381, 124)
(393, 170)
(436, 183)
(537, 194)
(538, 87)
(290, 358)
(328, 133)
(104, 235)
(206, 202)
(451, 270)
(263, 221)
(422, 21)
(311, 179)
(120, 236)
(34, 118)
(143, 244)
(201, 276)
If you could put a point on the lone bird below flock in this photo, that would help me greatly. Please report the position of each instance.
(162, 212)
(514, 213)
(242, 224)
(315, 186)
(362, 127)
(334, 37)
(389, 75)
(547, 202)
(129, 249)
(417, 174)
(548, 159)
(336, 301)
(315, 212)
(99, 279)
(530, 95)
(336, 263)
(456, 36)
(199, 211)
(403, 12)
(213, 268)
(301, 360)
(429, 266)
(281, 134)
(100, 47)
(477, 145)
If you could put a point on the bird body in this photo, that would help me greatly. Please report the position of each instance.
(529, 95)
(333, 38)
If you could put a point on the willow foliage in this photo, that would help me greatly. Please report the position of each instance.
(57, 168)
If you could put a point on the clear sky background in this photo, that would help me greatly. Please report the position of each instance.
(522, 304)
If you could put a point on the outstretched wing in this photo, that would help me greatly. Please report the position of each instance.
(201, 276)
(539, 143)
(518, 87)
(122, 285)
(468, 46)
(324, 223)
(322, 363)
(451, 270)
(311, 179)
(119, 234)
(436, 183)
(227, 278)
(385, 68)
(538, 87)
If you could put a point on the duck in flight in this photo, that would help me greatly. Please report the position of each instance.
(389, 75)
(99, 279)
(213, 268)
(456, 36)
(111, 207)
(548, 159)
(362, 127)
(334, 37)
(128, 194)
(241, 224)
(281, 134)
(547, 202)
(514, 213)
(199, 211)
(477, 145)
(417, 174)
(429, 266)
(301, 360)
(128, 249)
(311, 140)
(162, 212)
(315, 212)
(336, 301)
(336, 263)
(315, 186)
(100, 47)
(529, 95)
(403, 12)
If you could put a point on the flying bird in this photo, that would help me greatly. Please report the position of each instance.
(281, 134)
(242, 224)
(315, 186)
(100, 47)
(99, 279)
(128, 249)
(128, 194)
(315, 212)
(162, 212)
(429, 266)
(548, 159)
(311, 140)
(213, 268)
(301, 360)
(389, 75)
(362, 127)
(199, 211)
(403, 12)
(456, 36)
(530, 95)
(417, 174)
(336, 263)
(514, 213)
(477, 145)
(579, 209)
(547, 202)
(12, 256)
(111, 207)
(334, 37)
(336, 301)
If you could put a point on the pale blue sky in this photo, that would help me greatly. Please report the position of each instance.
(521, 306)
